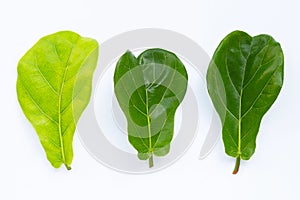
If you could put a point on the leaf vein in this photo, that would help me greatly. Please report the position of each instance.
(227, 71)
(43, 76)
(267, 46)
(258, 96)
(39, 108)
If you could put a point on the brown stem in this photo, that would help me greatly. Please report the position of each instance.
(237, 165)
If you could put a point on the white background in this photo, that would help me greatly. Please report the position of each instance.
(272, 173)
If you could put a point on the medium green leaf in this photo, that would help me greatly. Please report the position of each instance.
(244, 79)
(149, 89)
(54, 87)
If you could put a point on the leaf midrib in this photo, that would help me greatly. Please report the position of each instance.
(60, 108)
(148, 123)
(240, 99)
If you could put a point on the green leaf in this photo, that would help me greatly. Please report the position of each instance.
(54, 87)
(244, 79)
(149, 89)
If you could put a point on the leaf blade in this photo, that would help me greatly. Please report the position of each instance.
(149, 89)
(48, 76)
(244, 79)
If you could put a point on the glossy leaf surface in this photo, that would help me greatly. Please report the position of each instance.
(149, 89)
(244, 79)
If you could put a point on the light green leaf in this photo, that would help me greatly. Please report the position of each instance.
(149, 89)
(54, 87)
(244, 79)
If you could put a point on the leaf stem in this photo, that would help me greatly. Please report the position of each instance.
(237, 165)
(68, 167)
(151, 161)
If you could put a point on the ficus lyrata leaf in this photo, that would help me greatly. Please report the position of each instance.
(244, 79)
(149, 89)
(54, 86)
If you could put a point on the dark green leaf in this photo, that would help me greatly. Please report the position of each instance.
(244, 79)
(149, 89)
(54, 86)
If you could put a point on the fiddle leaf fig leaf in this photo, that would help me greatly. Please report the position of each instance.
(244, 79)
(54, 87)
(149, 89)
